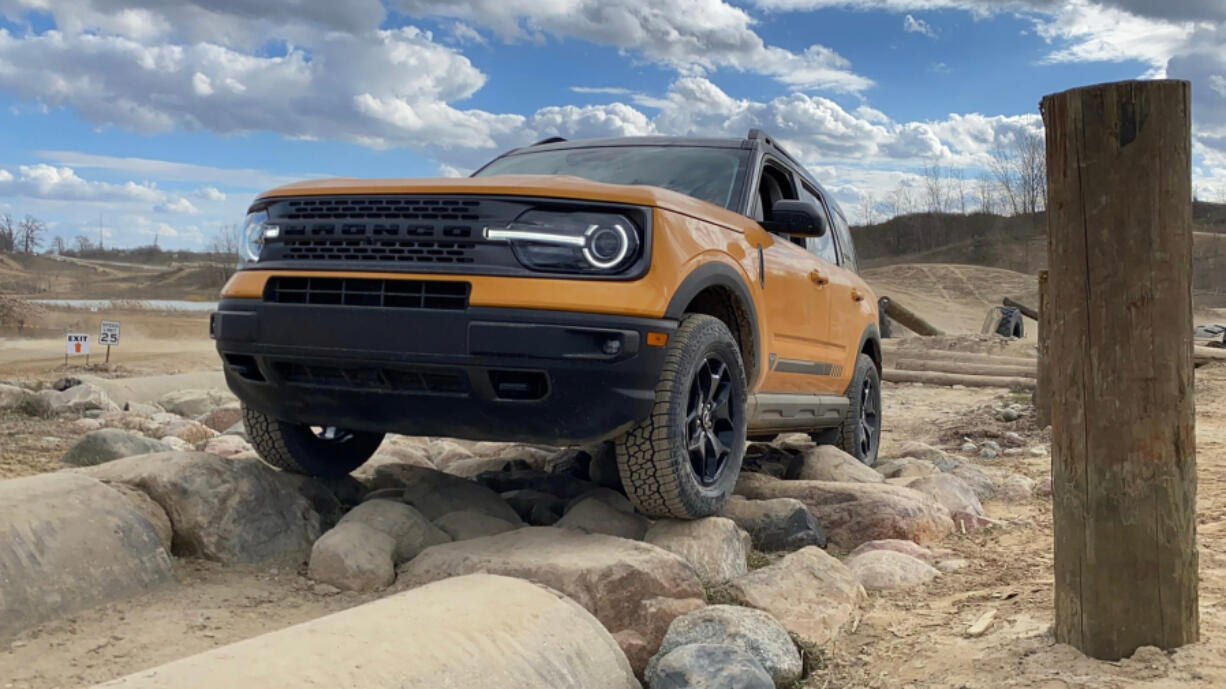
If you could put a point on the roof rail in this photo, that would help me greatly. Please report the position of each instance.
(759, 135)
(550, 140)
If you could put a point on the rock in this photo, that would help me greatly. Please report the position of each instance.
(852, 513)
(108, 444)
(348, 490)
(907, 467)
(145, 410)
(14, 398)
(969, 448)
(473, 632)
(71, 543)
(465, 525)
(634, 589)
(593, 515)
(526, 500)
(178, 444)
(752, 631)
(1043, 487)
(890, 570)
(610, 497)
(194, 403)
(237, 429)
(1016, 488)
(64, 383)
(983, 485)
(443, 452)
(232, 511)
(989, 449)
(769, 460)
(714, 547)
(435, 493)
(86, 425)
(410, 531)
(809, 592)
(1013, 452)
(471, 467)
(558, 485)
(223, 418)
(778, 524)
(829, 463)
(1015, 437)
(602, 469)
(949, 490)
(952, 564)
(1008, 415)
(77, 400)
(918, 450)
(965, 522)
(1038, 452)
(151, 511)
(794, 442)
(909, 548)
(709, 666)
(187, 430)
(354, 556)
(574, 462)
(226, 446)
(543, 515)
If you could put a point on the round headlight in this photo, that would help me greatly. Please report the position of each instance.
(607, 245)
(252, 236)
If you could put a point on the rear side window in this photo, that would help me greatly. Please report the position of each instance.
(823, 246)
(846, 248)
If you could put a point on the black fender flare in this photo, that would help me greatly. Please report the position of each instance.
(872, 338)
(715, 274)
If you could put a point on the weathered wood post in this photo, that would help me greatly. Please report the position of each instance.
(1042, 388)
(1123, 452)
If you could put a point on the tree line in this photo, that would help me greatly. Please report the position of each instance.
(24, 236)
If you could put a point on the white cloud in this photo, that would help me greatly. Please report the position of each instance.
(912, 25)
(177, 205)
(62, 184)
(607, 90)
(171, 171)
(464, 33)
(211, 194)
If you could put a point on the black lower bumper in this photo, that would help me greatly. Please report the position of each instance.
(476, 373)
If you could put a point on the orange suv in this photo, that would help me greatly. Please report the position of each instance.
(678, 296)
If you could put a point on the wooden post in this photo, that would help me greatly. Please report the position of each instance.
(1027, 311)
(1042, 389)
(1120, 364)
(910, 320)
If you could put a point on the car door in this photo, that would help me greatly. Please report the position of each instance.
(793, 292)
(847, 296)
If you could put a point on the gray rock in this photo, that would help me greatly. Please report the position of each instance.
(714, 546)
(435, 493)
(228, 510)
(777, 524)
(77, 400)
(610, 497)
(952, 564)
(194, 403)
(989, 449)
(979, 481)
(969, 448)
(531, 504)
(13, 397)
(237, 429)
(829, 463)
(1016, 488)
(465, 525)
(411, 532)
(1043, 487)
(907, 467)
(223, 418)
(602, 469)
(559, 485)
(151, 511)
(592, 515)
(764, 458)
(890, 570)
(951, 491)
(1008, 415)
(108, 444)
(353, 557)
(752, 631)
(708, 666)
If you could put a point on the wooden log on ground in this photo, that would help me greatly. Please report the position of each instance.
(963, 357)
(966, 368)
(1026, 310)
(910, 320)
(894, 375)
(1042, 390)
(1123, 442)
(1207, 354)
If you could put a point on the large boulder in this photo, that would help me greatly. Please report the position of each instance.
(473, 632)
(409, 529)
(223, 418)
(194, 403)
(633, 588)
(890, 570)
(709, 666)
(226, 446)
(907, 467)
(752, 631)
(829, 463)
(778, 524)
(1016, 488)
(852, 513)
(70, 543)
(191, 432)
(949, 490)
(227, 510)
(978, 479)
(77, 400)
(911, 548)
(354, 556)
(714, 547)
(811, 593)
(108, 444)
(435, 493)
(594, 515)
(14, 398)
(465, 525)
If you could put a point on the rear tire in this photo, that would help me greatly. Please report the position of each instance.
(298, 449)
(859, 435)
(683, 460)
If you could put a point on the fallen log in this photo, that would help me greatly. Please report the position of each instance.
(1207, 354)
(894, 375)
(963, 357)
(967, 368)
(1026, 310)
(910, 320)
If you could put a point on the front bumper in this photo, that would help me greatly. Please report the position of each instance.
(479, 373)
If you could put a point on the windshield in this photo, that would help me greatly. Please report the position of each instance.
(710, 174)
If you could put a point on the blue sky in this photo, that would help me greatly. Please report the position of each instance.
(165, 117)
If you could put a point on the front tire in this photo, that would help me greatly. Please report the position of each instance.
(300, 449)
(859, 435)
(683, 460)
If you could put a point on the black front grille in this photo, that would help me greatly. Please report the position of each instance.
(382, 208)
(427, 380)
(400, 251)
(395, 294)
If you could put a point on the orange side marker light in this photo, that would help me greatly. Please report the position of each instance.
(657, 339)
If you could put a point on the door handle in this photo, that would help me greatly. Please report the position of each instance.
(816, 277)
(856, 295)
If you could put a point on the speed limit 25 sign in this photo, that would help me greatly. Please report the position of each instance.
(109, 333)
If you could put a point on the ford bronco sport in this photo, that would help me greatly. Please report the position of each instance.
(678, 296)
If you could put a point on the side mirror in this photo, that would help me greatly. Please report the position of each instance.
(801, 218)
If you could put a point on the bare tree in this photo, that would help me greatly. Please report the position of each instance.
(1031, 172)
(957, 189)
(985, 191)
(29, 233)
(225, 243)
(1003, 169)
(58, 245)
(902, 199)
(82, 243)
(8, 234)
(866, 208)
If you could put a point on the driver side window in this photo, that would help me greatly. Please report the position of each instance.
(774, 185)
(822, 246)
